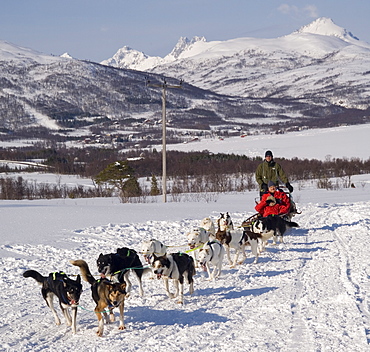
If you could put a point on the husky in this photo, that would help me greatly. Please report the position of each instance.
(67, 290)
(175, 266)
(273, 223)
(118, 266)
(257, 241)
(231, 238)
(212, 252)
(224, 222)
(196, 239)
(153, 247)
(106, 294)
(208, 225)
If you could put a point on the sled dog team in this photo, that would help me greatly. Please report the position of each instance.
(207, 248)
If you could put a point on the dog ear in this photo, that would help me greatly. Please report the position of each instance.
(107, 283)
(123, 287)
(78, 278)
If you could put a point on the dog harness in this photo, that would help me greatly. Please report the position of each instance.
(209, 244)
(54, 277)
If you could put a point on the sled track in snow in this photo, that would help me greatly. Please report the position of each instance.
(359, 293)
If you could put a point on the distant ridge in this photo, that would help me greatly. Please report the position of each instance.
(320, 60)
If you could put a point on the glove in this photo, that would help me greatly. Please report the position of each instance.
(289, 186)
(278, 201)
(264, 187)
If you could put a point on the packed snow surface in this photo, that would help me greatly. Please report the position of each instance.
(310, 293)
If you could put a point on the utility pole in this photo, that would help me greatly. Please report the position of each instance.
(164, 87)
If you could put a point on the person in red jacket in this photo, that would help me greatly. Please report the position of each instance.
(273, 202)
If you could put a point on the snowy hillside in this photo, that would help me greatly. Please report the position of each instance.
(17, 54)
(307, 63)
(317, 76)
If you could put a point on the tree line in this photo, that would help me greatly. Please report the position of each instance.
(187, 172)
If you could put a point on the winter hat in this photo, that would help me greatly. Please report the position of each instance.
(268, 153)
(271, 183)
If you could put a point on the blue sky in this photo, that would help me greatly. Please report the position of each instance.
(96, 29)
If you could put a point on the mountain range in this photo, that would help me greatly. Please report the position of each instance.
(320, 60)
(316, 76)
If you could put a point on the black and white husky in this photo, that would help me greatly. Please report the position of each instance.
(231, 238)
(273, 223)
(212, 253)
(67, 290)
(257, 241)
(175, 266)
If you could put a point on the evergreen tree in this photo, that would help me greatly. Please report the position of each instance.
(154, 190)
(120, 175)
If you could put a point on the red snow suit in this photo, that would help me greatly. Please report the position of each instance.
(282, 205)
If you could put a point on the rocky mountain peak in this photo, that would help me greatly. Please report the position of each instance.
(326, 26)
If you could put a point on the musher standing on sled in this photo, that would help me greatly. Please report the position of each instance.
(270, 170)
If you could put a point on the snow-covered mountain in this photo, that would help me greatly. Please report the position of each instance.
(320, 60)
(19, 55)
(317, 76)
(127, 57)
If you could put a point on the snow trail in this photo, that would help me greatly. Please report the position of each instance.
(308, 294)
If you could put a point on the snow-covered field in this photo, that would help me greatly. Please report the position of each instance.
(309, 294)
(336, 142)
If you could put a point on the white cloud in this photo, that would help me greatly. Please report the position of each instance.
(309, 10)
(312, 11)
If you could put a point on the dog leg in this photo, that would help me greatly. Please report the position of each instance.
(274, 240)
(210, 274)
(49, 301)
(166, 287)
(98, 311)
(191, 284)
(141, 291)
(181, 298)
(112, 318)
(228, 255)
(100, 327)
(121, 317)
(74, 319)
(66, 314)
(255, 249)
(176, 284)
(233, 265)
(262, 245)
(105, 316)
(128, 282)
(218, 268)
(243, 254)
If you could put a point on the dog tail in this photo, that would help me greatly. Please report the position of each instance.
(85, 271)
(35, 275)
(292, 224)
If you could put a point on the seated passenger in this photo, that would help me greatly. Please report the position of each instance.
(273, 202)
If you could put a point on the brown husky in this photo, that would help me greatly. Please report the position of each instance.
(106, 294)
